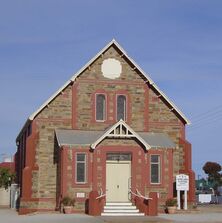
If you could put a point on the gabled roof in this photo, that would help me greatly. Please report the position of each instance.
(71, 137)
(146, 76)
(120, 130)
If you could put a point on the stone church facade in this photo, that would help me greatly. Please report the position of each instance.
(108, 129)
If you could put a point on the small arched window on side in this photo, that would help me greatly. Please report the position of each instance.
(100, 107)
(121, 107)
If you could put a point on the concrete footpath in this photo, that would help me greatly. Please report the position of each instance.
(211, 214)
(192, 218)
(207, 214)
(11, 216)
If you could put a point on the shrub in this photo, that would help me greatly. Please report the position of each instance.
(170, 202)
(68, 201)
(6, 177)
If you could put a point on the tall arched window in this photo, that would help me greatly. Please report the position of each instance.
(121, 107)
(100, 107)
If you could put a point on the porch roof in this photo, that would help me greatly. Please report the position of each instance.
(79, 137)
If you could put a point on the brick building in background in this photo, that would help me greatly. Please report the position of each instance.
(109, 128)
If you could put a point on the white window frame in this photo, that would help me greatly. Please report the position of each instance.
(125, 111)
(159, 169)
(85, 164)
(105, 112)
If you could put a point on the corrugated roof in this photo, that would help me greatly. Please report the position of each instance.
(77, 137)
(156, 140)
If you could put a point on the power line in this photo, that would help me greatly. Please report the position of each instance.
(213, 113)
(204, 124)
(207, 118)
(212, 110)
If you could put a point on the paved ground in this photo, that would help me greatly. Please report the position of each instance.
(146, 219)
(207, 214)
(10, 216)
(202, 217)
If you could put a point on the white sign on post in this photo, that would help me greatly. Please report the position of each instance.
(182, 184)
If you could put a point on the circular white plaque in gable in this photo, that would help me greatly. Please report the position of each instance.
(111, 68)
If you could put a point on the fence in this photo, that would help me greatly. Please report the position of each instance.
(5, 197)
(209, 198)
(9, 197)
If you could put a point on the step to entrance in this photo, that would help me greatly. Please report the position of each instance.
(121, 209)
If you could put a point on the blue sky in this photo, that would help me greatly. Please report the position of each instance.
(179, 43)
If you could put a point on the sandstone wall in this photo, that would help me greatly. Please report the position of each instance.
(57, 115)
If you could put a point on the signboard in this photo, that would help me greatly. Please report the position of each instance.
(80, 195)
(182, 182)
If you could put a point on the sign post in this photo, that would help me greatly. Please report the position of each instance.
(182, 184)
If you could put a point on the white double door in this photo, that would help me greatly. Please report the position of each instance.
(118, 175)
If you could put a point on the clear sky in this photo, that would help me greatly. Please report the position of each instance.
(179, 43)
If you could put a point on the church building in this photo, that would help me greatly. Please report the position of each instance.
(109, 129)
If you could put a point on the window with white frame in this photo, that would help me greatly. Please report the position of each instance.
(121, 107)
(80, 168)
(155, 169)
(100, 107)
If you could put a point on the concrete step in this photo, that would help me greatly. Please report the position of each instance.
(122, 214)
(120, 207)
(119, 204)
(121, 211)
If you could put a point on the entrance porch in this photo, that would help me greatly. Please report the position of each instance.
(113, 167)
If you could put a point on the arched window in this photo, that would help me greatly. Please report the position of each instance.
(100, 107)
(121, 107)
